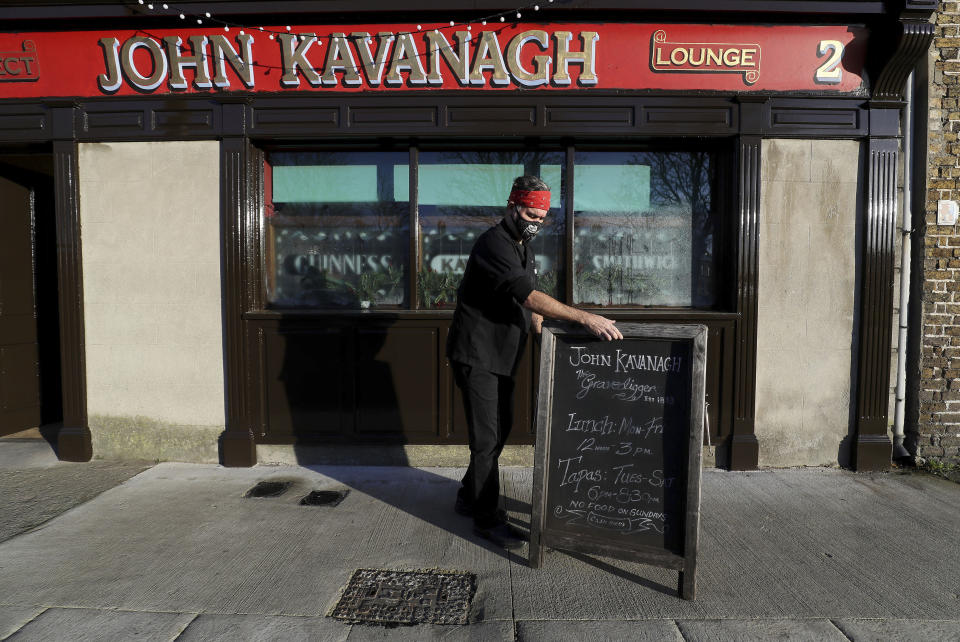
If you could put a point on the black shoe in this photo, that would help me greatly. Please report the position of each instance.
(503, 535)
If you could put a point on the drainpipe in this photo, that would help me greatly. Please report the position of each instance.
(899, 451)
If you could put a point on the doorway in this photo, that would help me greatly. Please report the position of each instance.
(30, 383)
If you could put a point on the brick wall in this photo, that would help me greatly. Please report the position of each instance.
(938, 424)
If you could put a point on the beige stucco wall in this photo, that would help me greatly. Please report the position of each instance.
(151, 281)
(807, 284)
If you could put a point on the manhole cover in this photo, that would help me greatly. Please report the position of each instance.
(324, 498)
(269, 489)
(406, 597)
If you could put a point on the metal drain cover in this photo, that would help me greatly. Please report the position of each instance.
(324, 498)
(406, 597)
(269, 489)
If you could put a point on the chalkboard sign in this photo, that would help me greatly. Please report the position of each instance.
(619, 441)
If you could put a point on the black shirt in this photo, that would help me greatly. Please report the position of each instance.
(490, 324)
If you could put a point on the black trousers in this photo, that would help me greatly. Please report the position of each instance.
(488, 402)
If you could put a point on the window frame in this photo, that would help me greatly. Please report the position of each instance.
(722, 207)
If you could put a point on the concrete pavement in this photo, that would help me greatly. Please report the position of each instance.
(177, 552)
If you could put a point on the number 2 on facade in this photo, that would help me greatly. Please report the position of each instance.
(830, 72)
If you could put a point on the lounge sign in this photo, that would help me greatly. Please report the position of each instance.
(345, 58)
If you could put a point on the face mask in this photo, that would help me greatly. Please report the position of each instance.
(526, 230)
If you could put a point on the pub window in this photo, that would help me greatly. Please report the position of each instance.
(336, 229)
(643, 229)
(337, 232)
(460, 195)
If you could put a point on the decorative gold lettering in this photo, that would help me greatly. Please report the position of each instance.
(110, 81)
(731, 61)
(406, 57)
(585, 57)
(459, 62)
(138, 80)
(541, 73)
(339, 58)
(178, 61)
(372, 66)
(295, 57)
(223, 52)
(488, 56)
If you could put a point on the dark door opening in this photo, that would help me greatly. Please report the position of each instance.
(30, 384)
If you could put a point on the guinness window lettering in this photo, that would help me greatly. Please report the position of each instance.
(336, 229)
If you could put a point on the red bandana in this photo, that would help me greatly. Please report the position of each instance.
(536, 200)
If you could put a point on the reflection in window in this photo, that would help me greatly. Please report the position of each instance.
(643, 229)
(336, 231)
(460, 195)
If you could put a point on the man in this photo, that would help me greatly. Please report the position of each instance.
(497, 304)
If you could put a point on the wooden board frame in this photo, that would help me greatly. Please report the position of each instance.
(686, 563)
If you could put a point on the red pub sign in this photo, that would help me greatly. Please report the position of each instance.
(555, 56)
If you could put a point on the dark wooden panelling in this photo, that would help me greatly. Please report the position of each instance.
(304, 383)
(196, 121)
(595, 115)
(913, 40)
(743, 445)
(114, 121)
(73, 442)
(397, 380)
(442, 114)
(144, 119)
(679, 119)
(874, 448)
(24, 122)
(383, 377)
(466, 115)
(392, 115)
(290, 117)
(799, 117)
(237, 441)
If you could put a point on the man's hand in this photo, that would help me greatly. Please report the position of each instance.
(536, 323)
(545, 305)
(601, 327)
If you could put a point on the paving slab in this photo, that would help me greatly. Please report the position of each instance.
(860, 630)
(192, 542)
(14, 617)
(795, 630)
(26, 453)
(607, 630)
(478, 632)
(800, 543)
(808, 544)
(92, 625)
(35, 495)
(264, 628)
